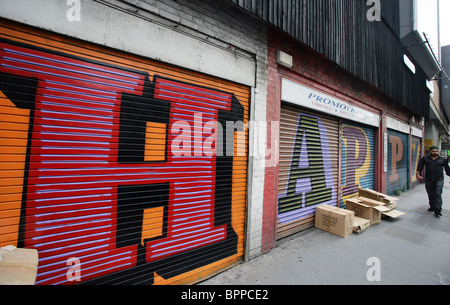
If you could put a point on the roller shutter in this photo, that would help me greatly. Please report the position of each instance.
(358, 159)
(398, 162)
(308, 169)
(118, 163)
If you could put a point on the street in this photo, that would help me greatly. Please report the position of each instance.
(411, 250)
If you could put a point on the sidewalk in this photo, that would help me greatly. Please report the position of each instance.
(413, 249)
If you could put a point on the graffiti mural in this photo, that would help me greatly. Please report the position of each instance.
(99, 171)
(310, 181)
(357, 160)
(398, 162)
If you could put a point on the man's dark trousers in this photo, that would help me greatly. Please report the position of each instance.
(434, 190)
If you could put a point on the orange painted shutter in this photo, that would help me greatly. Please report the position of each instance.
(106, 157)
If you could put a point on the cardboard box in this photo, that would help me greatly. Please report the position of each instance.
(18, 266)
(389, 201)
(390, 209)
(375, 195)
(365, 210)
(360, 224)
(369, 201)
(335, 220)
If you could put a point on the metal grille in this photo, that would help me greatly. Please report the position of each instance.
(358, 159)
(398, 162)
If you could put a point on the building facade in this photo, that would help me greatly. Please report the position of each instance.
(444, 91)
(336, 135)
(111, 146)
(161, 142)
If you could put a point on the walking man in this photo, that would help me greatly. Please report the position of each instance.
(434, 178)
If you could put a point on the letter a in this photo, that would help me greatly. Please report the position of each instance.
(374, 13)
(374, 273)
(74, 272)
(74, 13)
(307, 171)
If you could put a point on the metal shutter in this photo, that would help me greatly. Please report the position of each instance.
(398, 162)
(108, 160)
(308, 175)
(357, 159)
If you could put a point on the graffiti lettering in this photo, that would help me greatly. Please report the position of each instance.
(398, 162)
(357, 148)
(307, 175)
(357, 160)
(397, 155)
(101, 181)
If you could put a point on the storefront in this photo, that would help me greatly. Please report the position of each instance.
(111, 162)
(327, 151)
(398, 156)
(358, 158)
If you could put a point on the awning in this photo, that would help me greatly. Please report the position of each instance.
(422, 55)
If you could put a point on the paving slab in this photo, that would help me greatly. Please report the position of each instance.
(413, 249)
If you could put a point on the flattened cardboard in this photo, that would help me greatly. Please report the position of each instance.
(335, 220)
(360, 224)
(375, 195)
(18, 266)
(370, 202)
(393, 213)
(374, 202)
(388, 209)
(389, 201)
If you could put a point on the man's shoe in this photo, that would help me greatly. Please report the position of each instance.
(437, 214)
(430, 210)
